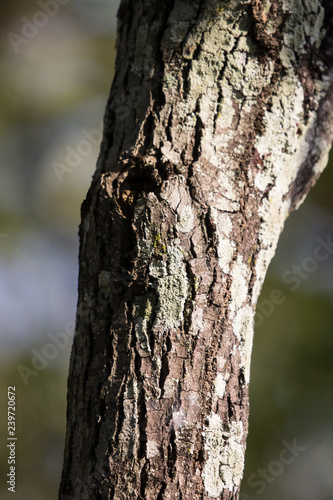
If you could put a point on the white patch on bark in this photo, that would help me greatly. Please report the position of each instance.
(197, 323)
(228, 184)
(169, 154)
(254, 76)
(176, 193)
(185, 220)
(262, 262)
(169, 388)
(243, 329)
(152, 449)
(239, 286)
(225, 247)
(280, 139)
(225, 456)
(171, 288)
(222, 221)
(220, 362)
(273, 212)
(227, 113)
(220, 385)
(178, 418)
(225, 252)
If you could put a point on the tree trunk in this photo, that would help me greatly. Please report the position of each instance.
(218, 123)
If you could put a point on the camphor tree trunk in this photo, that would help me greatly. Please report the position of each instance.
(218, 123)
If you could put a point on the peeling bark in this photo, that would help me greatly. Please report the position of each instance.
(219, 122)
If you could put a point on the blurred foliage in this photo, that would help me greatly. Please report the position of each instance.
(53, 89)
(40, 423)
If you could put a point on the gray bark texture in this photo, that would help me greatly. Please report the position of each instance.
(219, 121)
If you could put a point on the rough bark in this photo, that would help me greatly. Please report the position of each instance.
(218, 123)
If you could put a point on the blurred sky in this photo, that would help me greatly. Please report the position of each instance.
(54, 88)
(55, 80)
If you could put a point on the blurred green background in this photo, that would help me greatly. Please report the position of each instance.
(54, 86)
